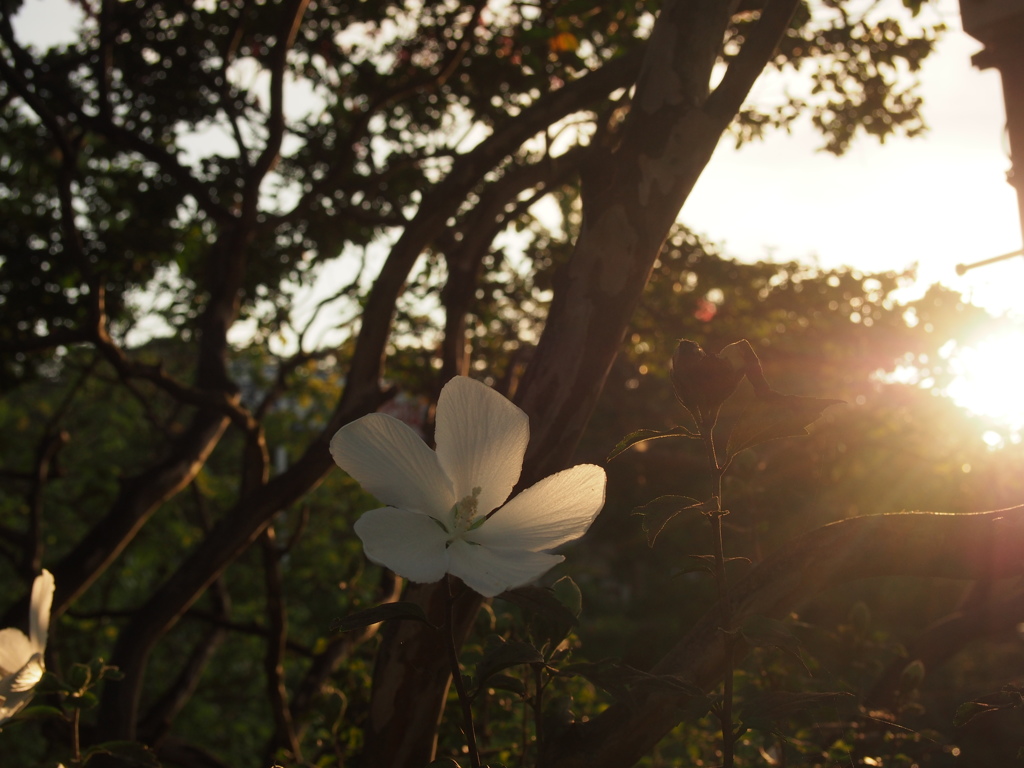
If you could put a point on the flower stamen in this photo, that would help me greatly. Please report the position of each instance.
(465, 511)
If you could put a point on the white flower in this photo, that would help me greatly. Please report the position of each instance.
(21, 658)
(438, 517)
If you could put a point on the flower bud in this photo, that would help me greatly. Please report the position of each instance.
(704, 381)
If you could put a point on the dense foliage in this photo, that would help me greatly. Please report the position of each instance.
(232, 227)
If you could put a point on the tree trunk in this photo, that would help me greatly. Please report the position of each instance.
(631, 198)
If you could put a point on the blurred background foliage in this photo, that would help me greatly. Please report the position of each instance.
(153, 166)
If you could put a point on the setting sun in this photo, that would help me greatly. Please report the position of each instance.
(987, 378)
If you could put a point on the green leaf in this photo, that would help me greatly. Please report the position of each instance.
(694, 567)
(970, 710)
(762, 709)
(619, 679)
(80, 676)
(568, 593)
(551, 619)
(507, 683)
(131, 752)
(379, 613)
(776, 416)
(643, 435)
(83, 700)
(610, 676)
(499, 655)
(698, 705)
(41, 712)
(111, 673)
(1010, 697)
(49, 683)
(657, 514)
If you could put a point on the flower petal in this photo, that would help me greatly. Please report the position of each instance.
(558, 509)
(29, 675)
(16, 690)
(491, 571)
(39, 610)
(393, 463)
(410, 544)
(15, 650)
(481, 440)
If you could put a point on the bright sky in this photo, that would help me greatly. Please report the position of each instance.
(937, 200)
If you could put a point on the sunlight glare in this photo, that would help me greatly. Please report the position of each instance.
(987, 378)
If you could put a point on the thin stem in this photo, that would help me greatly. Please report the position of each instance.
(538, 704)
(716, 472)
(725, 604)
(76, 744)
(525, 733)
(725, 714)
(460, 683)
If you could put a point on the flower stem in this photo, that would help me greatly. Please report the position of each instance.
(724, 600)
(76, 744)
(460, 683)
(538, 704)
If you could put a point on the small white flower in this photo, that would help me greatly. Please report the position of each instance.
(438, 517)
(21, 658)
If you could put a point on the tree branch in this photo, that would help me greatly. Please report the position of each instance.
(444, 199)
(980, 617)
(497, 206)
(226, 403)
(46, 452)
(236, 531)
(273, 660)
(728, 97)
(137, 499)
(337, 650)
(157, 721)
(632, 196)
(293, 13)
(986, 545)
(232, 535)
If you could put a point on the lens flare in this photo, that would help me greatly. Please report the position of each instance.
(988, 378)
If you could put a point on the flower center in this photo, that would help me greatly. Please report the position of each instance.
(464, 512)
